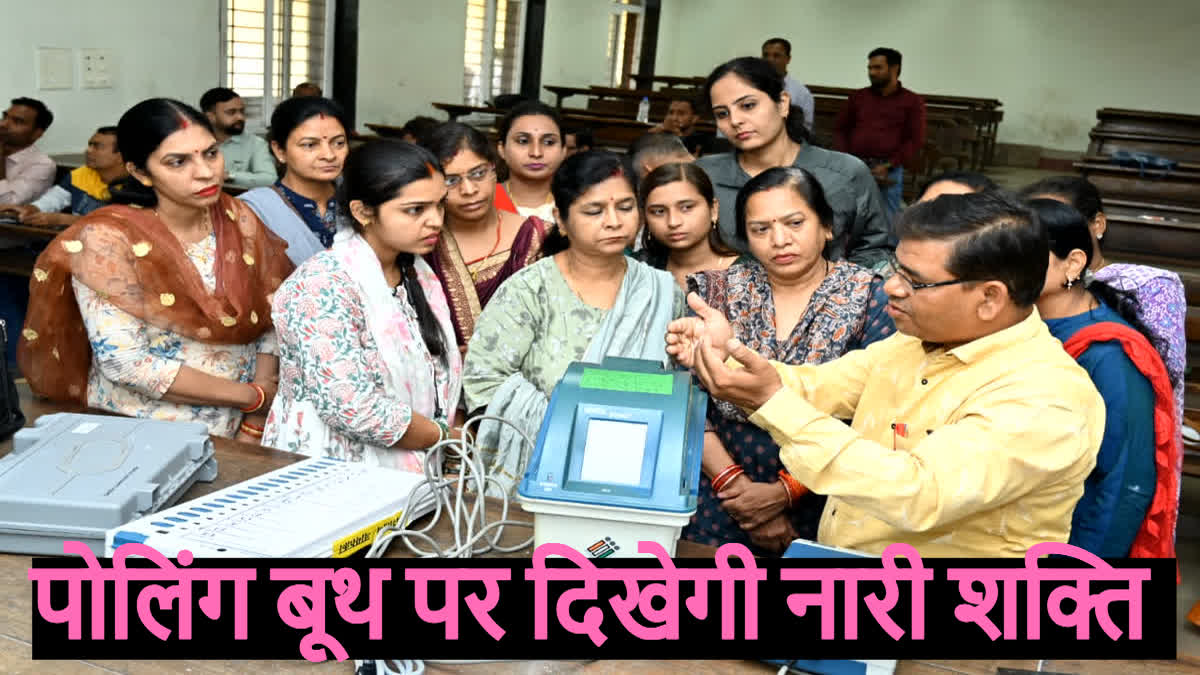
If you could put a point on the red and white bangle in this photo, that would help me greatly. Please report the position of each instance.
(795, 490)
(262, 398)
(726, 476)
(252, 430)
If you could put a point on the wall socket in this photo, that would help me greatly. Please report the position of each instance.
(96, 68)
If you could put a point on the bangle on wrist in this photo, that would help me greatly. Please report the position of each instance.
(726, 476)
(251, 430)
(795, 490)
(443, 431)
(719, 479)
(262, 398)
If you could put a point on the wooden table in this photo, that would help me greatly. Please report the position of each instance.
(239, 462)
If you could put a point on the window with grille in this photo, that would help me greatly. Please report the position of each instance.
(492, 49)
(294, 32)
(624, 41)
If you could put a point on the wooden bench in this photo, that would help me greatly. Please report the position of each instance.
(984, 113)
(1147, 122)
(1180, 186)
(672, 81)
(612, 132)
(624, 100)
(1180, 148)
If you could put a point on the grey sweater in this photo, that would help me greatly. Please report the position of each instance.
(861, 232)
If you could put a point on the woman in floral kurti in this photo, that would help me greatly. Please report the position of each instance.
(369, 370)
(786, 224)
(161, 311)
(583, 303)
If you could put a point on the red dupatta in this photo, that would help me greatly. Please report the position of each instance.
(1156, 536)
(127, 256)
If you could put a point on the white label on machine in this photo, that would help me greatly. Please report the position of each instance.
(613, 452)
(85, 428)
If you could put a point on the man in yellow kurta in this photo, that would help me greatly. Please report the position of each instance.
(973, 430)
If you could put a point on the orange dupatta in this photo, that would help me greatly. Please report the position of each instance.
(127, 256)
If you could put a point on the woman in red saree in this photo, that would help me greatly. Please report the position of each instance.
(486, 245)
(159, 306)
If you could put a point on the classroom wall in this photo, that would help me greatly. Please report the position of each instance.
(1051, 62)
(159, 49)
(574, 53)
(410, 53)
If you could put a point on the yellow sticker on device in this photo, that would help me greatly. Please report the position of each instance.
(362, 538)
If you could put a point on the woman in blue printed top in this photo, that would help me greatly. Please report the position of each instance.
(308, 136)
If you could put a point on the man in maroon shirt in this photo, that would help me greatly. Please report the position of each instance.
(883, 125)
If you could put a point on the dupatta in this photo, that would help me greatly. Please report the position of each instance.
(1156, 536)
(278, 214)
(129, 257)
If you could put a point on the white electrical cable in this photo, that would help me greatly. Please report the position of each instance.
(448, 495)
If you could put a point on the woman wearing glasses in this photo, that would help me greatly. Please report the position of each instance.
(794, 305)
(486, 245)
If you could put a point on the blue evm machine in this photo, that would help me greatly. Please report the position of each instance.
(617, 459)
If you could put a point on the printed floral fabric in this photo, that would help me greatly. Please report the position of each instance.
(1163, 308)
(353, 365)
(134, 363)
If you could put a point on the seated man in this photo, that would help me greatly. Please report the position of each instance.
(248, 160)
(973, 430)
(83, 190)
(579, 139)
(25, 172)
(681, 120)
(306, 90)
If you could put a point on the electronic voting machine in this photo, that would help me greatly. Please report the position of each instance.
(72, 477)
(617, 459)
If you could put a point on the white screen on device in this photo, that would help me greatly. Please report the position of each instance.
(613, 452)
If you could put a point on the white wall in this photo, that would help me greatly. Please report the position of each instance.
(160, 48)
(1051, 62)
(574, 50)
(410, 53)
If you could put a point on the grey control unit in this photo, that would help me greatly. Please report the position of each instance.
(72, 477)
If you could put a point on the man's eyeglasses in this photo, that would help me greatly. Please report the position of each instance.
(474, 175)
(893, 268)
